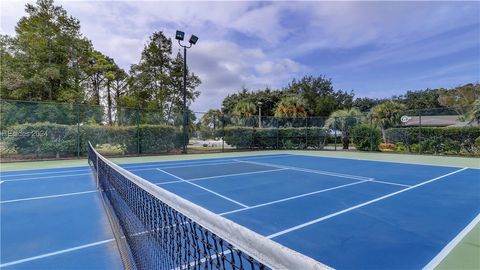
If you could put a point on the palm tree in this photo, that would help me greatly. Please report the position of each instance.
(292, 107)
(386, 115)
(344, 120)
(245, 108)
(474, 113)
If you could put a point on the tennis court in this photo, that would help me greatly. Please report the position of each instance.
(344, 213)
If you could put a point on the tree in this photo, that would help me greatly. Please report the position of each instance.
(461, 99)
(174, 99)
(291, 107)
(156, 82)
(386, 115)
(319, 96)
(423, 99)
(43, 55)
(474, 114)
(365, 104)
(344, 120)
(210, 121)
(245, 108)
(267, 97)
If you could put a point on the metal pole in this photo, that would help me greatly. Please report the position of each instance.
(223, 133)
(184, 100)
(335, 132)
(260, 116)
(419, 131)
(371, 134)
(78, 131)
(138, 132)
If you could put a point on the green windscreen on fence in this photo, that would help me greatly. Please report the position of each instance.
(47, 130)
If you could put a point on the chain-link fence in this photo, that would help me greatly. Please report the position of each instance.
(39, 130)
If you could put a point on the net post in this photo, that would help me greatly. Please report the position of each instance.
(96, 174)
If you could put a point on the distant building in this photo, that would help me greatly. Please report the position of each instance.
(436, 121)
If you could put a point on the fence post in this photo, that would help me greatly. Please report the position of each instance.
(371, 134)
(335, 132)
(277, 128)
(419, 131)
(78, 131)
(306, 132)
(223, 132)
(137, 119)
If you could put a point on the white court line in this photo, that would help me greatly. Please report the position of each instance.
(183, 165)
(47, 197)
(310, 171)
(359, 205)
(389, 183)
(56, 253)
(219, 176)
(39, 173)
(45, 177)
(452, 244)
(293, 197)
(271, 236)
(206, 189)
(200, 162)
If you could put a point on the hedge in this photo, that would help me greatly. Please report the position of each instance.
(361, 137)
(436, 140)
(49, 139)
(273, 138)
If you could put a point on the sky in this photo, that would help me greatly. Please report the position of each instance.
(377, 49)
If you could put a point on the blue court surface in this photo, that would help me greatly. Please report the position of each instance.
(345, 213)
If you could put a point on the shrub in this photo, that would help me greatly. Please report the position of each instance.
(361, 137)
(387, 147)
(56, 140)
(436, 140)
(273, 138)
(41, 139)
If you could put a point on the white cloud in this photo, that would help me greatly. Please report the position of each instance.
(257, 44)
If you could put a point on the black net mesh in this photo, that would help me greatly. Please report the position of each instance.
(157, 236)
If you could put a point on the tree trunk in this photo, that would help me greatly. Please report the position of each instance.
(384, 136)
(345, 142)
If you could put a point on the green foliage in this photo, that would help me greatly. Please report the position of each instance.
(344, 120)
(156, 82)
(269, 99)
(245, 108)
(461, 99)
(423, 99)
(291, 107)
(272, 138)
(363, 135)
(387, 115)
(319, 96)
(41, 139)
(434, 140)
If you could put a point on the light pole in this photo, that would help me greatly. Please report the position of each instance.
(259, 114)
(179, 35)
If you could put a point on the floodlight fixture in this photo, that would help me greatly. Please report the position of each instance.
(180, 35)
(193, 39)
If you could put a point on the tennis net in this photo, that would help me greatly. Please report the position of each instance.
(156, 229)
